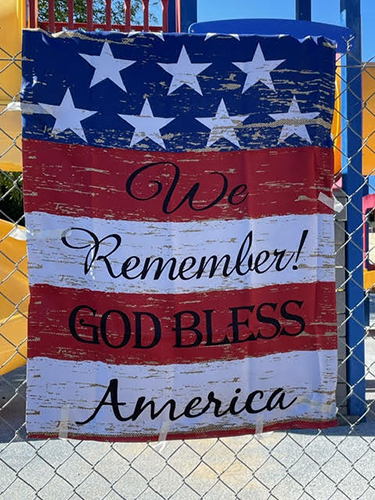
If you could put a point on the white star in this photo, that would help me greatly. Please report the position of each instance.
(67, 116)
(258, 69)
(294, 122)
(309, 37)
(184, 72)
(233, 35)
(147, 125)
(159, 34)
(107, 66)
(156, 33)
(222, 125)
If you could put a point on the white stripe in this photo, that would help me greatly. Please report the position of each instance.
(51, 262)
(80, 386)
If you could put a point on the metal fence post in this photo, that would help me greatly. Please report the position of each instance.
(355, 189)
(303, 10)
(188, 14)
(172, 16)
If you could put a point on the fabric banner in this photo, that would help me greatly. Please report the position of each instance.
(180, 234)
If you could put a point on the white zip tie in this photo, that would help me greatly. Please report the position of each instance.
(333, 203)
(64, 422)
(26, 109)
(329, 202)
(18, 234)
(259, 425)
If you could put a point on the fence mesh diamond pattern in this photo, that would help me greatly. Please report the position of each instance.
(335, 464)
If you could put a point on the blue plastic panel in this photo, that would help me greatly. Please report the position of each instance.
(298, 29)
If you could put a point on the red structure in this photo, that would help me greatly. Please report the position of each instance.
(53, 26)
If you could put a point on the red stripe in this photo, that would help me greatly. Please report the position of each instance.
(86, 181)
(51, 307)
(292, 424)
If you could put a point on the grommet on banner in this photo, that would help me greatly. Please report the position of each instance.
(64, 422)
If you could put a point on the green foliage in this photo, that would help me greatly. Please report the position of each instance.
(80, 12)
(11, 185)
(11, 198)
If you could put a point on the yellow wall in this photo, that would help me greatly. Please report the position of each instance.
(12, 20)
(336, 125)
(14, 296)
(368, 85)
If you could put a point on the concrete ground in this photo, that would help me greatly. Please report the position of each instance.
(335, 464)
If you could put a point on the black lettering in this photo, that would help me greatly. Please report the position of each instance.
(268, 320)
(72, 325)
(127, 328)
(188, 268)
(280, 394)
(160, 267)
(276, 400)
(250, 400)
(191, 328)
(138, 330)
(213, 260)
(208, 314)
(243, 254)
(128, 265)
(217, 405)
(185, 266)
(232, 407)
(261, 259)
(190, 195)
(92, 254)
(140, 407)
(188, 198)
(279, 257)
(236, 323)
(237, 192)
(112, 390)
(193, 403)
(292, 317)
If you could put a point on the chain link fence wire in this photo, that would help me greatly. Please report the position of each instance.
(311, 464)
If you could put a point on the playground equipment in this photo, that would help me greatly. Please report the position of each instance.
(14, 293)
(12, 20)
(369, 241)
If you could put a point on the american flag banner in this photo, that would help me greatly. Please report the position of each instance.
(180, 234)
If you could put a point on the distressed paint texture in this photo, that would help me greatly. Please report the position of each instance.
(81, 385)
(180, 256)
(179, 241)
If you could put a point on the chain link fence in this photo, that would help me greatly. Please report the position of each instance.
(311, 464)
